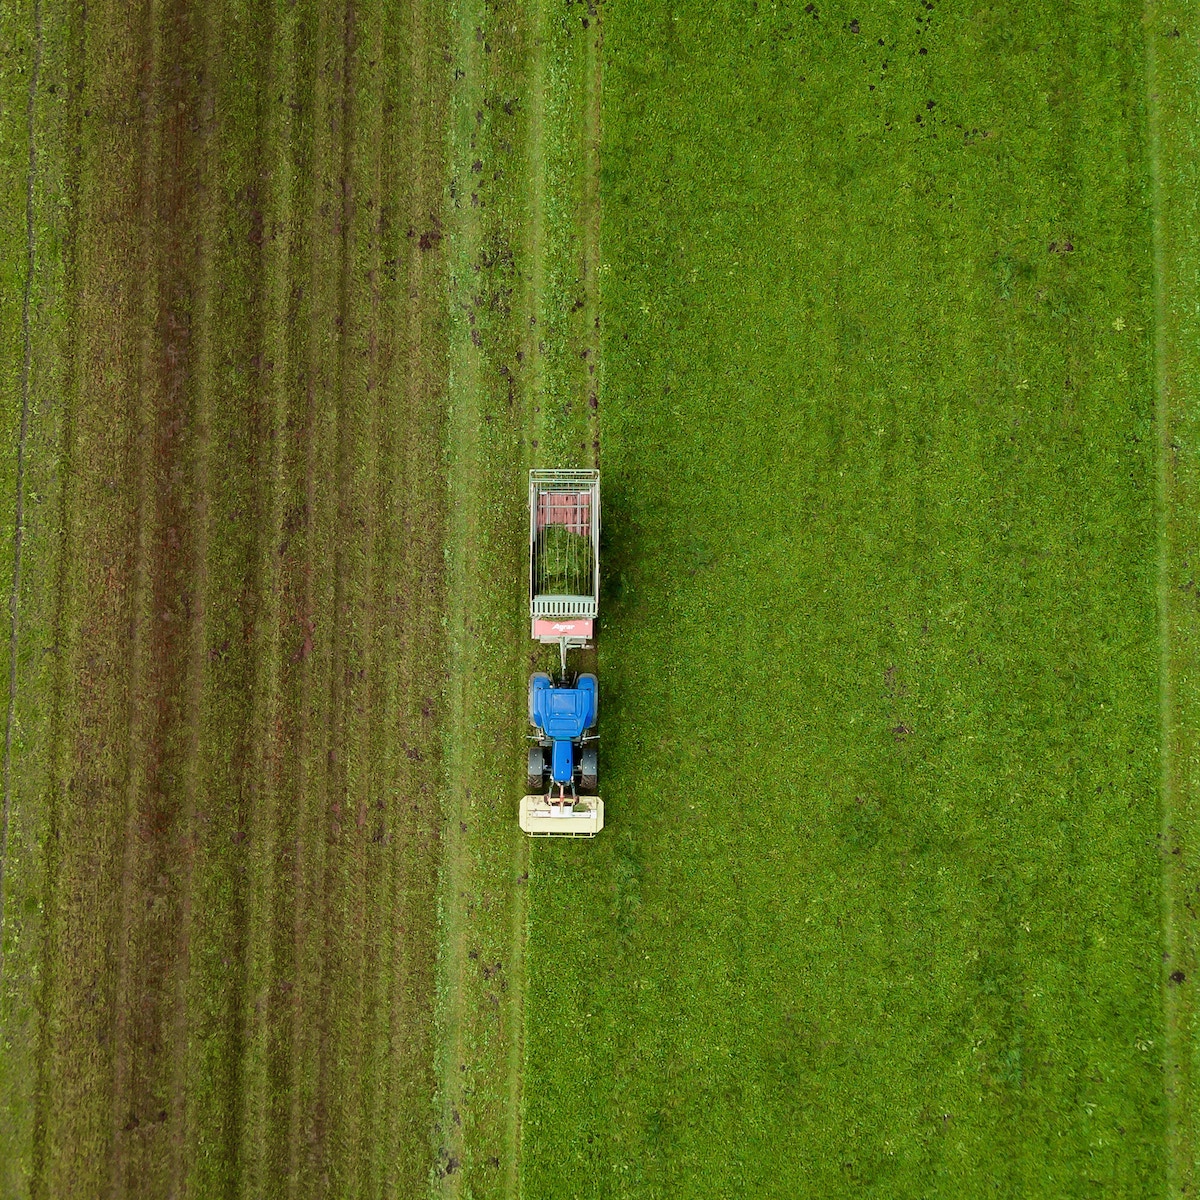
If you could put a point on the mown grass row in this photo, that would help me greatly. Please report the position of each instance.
(240, 747)
(878, 904)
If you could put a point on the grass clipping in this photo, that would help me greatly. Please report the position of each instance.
(564, 562)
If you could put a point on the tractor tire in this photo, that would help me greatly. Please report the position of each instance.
(589, 770)
(535, 675)
(596, 716)
(535, 772)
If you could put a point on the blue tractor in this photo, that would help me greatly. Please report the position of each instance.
(564, 599)
(563, 714)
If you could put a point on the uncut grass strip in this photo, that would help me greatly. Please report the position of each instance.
(383, 714)
(275, 59)
(650, 1130)
(300, 548)
(528, 213)
(1171, 110)
(269, 1161)
(464, 1109)
(533, 313)
(41, 1075)
(378, 1116)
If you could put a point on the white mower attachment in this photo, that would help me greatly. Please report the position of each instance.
(577, 816)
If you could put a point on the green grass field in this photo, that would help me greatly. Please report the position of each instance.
(878, 908)
(881, 323)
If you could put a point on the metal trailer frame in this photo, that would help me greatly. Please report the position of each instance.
(570, 498)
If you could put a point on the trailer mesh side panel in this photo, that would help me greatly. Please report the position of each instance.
(564, 510)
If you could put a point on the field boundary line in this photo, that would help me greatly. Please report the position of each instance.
(1180, 1133)
(22, 441)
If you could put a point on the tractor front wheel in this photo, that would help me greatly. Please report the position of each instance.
(595, 696)
(589, 770)
(535, 773)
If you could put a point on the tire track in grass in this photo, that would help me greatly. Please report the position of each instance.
(1170, 63)
(22, 440)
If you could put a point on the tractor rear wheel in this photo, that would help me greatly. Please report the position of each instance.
(534, 677)
(535, 773)
(595, 694)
